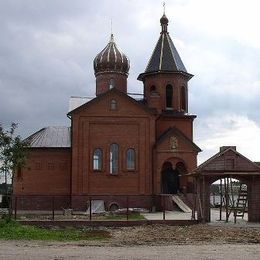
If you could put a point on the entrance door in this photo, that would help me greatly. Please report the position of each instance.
(170, 179)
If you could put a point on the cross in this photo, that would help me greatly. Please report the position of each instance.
(163, 7)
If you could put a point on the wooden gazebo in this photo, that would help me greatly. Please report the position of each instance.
(227, 163)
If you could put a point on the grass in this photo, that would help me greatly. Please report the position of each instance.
(12, 230)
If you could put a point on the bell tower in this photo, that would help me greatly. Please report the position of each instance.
(165, 78)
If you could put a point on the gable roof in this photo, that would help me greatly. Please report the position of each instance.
(118, 92)
(220, 153)
(174, 131)
(50, 137)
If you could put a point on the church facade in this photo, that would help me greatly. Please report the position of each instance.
(118, 145)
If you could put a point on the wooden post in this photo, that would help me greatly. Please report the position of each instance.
(90, 209)
(15, 207)
(163, 207)
(226, 197)
(127, 208)
(194, 199)
(53, 198)
(204, 200)
(221, 201)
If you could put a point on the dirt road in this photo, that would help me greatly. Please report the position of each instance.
(21, 250)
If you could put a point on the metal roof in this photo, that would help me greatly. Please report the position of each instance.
(50, 137)
(75, 102)
(111, 59)
(165, 57)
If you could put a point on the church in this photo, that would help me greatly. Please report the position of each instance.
(118, 145)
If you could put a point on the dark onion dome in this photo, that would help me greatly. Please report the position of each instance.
(111, 59)
(164, 19)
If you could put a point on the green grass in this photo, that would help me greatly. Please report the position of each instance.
(12, 230)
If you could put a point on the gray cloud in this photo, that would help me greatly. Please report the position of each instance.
(47, 48)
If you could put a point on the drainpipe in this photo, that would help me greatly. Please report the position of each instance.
(71, 127)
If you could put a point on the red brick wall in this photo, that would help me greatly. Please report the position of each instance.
(184, 124)
(98, 126)
(102, 82)
(47, 171)
(160, 81)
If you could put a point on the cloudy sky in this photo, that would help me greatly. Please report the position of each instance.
(47, 48)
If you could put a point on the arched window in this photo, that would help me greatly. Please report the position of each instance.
(153, 90)
(113, 104)
(183, 98)
(97, 160)
(130, 159)
(169, 95)
(111, 83)
(114, 153)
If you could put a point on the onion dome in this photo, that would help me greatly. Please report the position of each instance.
(111, 59)
(164, 22)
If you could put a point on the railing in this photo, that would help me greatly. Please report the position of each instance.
(54, 207)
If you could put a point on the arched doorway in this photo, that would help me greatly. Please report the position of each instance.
(170, 179)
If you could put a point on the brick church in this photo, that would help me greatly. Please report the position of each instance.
(118, 145)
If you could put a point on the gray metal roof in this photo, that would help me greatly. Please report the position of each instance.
(165, 56)
(75, 102)
(50, 137)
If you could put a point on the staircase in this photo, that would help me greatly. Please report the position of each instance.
(181, 204)
(241, 202)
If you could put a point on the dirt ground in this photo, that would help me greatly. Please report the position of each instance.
(147, 242)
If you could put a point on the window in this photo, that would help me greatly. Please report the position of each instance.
(130, 159)
(111, 83)
(51, 166)
(113, 165)
(169, 95)
(38, 166)
(153, 91)
(97, 160)
(183, 98)
(113, 104)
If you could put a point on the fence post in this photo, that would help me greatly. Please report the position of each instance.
(90, 209)
(15, 207)
(163, 207)
(53, 202)
(127, 208)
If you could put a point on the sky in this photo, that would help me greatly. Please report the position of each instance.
(47, 49)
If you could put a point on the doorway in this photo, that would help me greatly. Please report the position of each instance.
(169, 179)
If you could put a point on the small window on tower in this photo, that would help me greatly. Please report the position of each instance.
(169, 97)
(113, 105)
(183, 98)
(153, 91)
(111, 83)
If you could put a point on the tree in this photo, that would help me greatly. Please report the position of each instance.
(12, 151)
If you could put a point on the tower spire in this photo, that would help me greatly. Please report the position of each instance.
(164, 20)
